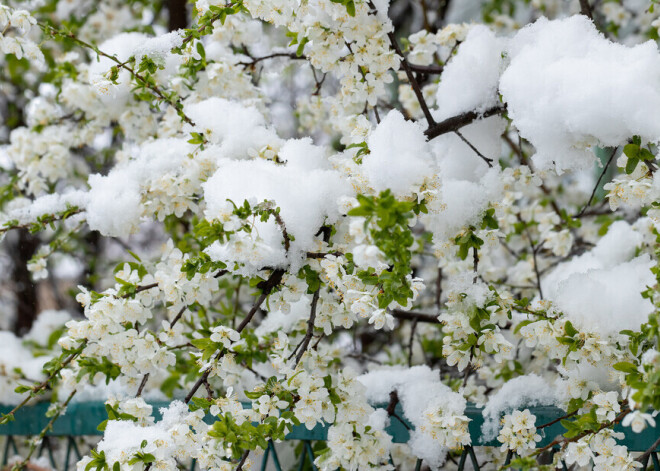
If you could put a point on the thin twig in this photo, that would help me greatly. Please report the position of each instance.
(310, 327)
(178, 316)
(145, 378)
(266, 286)
(602, 174)
(648, 452)
(484, 158)
(558, 419)
(256, 60)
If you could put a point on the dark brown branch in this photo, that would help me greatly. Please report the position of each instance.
(426, 69)
(323, 254)
(562, 440)
(585, 9)
(648, 452)
(178, 316)
(411, 78)
(243, 459)
(415, 316)
(302, 348)
(285, 234)
(391, 408)
(558, 419)
(411, 341)
(256, 60)
(457, 122)
(178, 15)
(409, 73)
(145, 378)
(266, 286)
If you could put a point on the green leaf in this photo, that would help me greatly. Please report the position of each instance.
(350, 8)
(569, 329)
(625, 367)
(631, 165)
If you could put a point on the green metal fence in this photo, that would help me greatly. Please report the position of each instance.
(81, 419)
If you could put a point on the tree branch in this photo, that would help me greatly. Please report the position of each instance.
(476, 151)
(586, 10)
(415, 316)
(457, 122)
(593, 193)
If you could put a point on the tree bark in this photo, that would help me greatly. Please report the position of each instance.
(178, 18)
(27, 303)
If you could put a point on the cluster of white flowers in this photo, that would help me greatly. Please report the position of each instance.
(602, 450)
(111, 329)
(20, 21)
(473, 314)
(518, 432)
(301, 230)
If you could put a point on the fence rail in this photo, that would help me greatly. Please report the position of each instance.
(82, 418)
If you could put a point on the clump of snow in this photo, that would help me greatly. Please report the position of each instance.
(615, 247)
(236, 128)
(600, 291)
(468, 185)
(44, 205)
(524, 391)
(306, 199)
(464, 202)
(115, 201)
(15, 358)
(160, 46)
(303, 154)
(380, 383)
(608, 300)
(124, 437)
(568, 87)
(114, 207)
(427, 403)
(457, 161)
(399, 157)
(470, 79)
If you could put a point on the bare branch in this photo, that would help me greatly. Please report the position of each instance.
(457, 122)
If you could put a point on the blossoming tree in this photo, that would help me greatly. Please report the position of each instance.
(322, 206)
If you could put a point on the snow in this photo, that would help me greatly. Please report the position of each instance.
(608, 300)
(380, 383)
(115, 200)
(599, 291)
(399, 157)
(46, 205)
(160, 46)
(420, 393)
(306, 199)
(14, 355)
(567, 88)
(470, 79)
(123, 436)
(303, 154)
(521, 392)
(234, 127)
